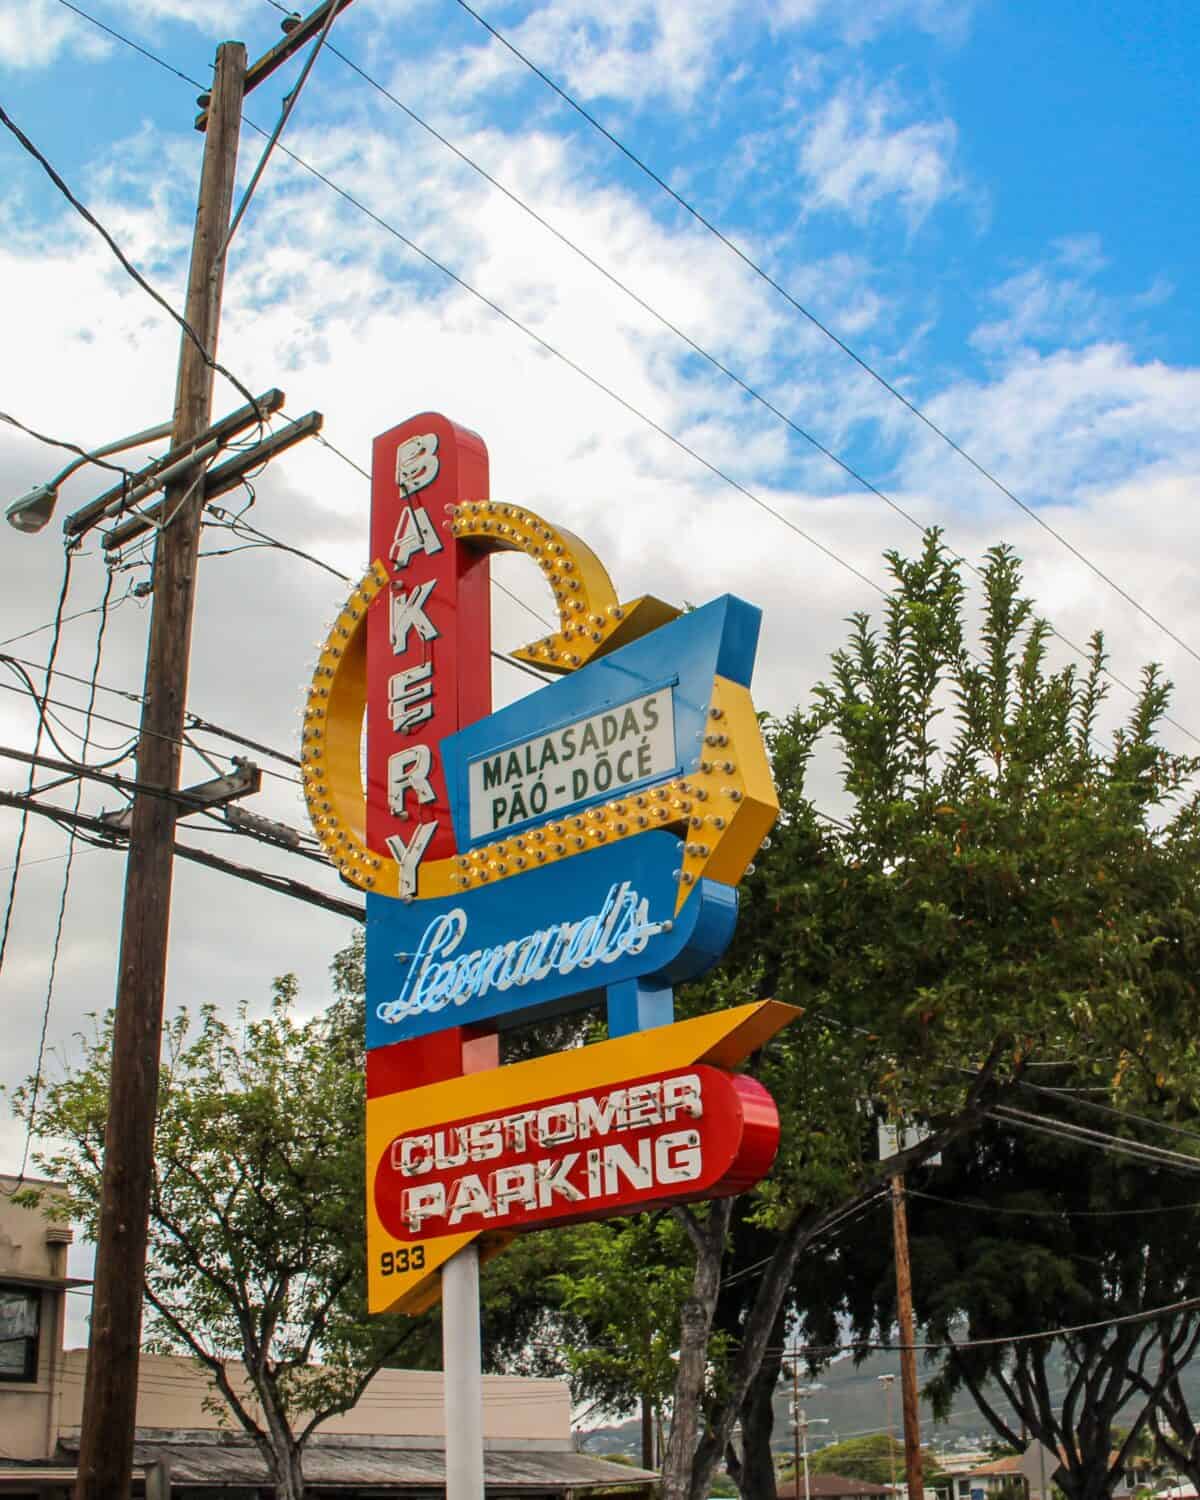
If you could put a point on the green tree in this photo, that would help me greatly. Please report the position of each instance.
(1004, 888)
(877, 1459)
(625, 1280)
(256, 1264)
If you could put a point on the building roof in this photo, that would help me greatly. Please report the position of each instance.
(831, 1487)
(1009, 1465)
(328, 1464)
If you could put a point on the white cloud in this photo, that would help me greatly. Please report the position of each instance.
(1060, 425)
(33, 33)
(642, 50)
(947, 20)
(1053, 302)
(856, 158)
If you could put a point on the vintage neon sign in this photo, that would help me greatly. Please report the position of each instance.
(580, 847)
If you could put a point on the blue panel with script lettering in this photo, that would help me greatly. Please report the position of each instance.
(622, 722)
(546, 941)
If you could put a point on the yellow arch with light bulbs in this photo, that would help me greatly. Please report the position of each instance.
(725, 807)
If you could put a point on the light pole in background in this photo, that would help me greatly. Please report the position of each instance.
(888, 1381)
(801, 1422)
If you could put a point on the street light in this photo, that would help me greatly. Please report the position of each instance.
(31, 511)
(887, 1381)
(801, 1422)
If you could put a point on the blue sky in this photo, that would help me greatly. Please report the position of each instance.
(993, 203)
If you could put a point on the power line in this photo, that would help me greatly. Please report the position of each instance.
(844, 1220)
(856, 475)
(109, 838)
(624, 287)
(615, 281)
(649, 421)
(823, 328)
(126, 693)
(345, 457)
(1108, 1109)
(57, 623)
(126, 263)
(1113, 1145)
(194, 720)
(238, 525)
(1055, 1213)
(47, 859)
(1149, 1315)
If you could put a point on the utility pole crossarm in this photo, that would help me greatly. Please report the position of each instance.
(221, 479)
(303, 31)
(237, 421)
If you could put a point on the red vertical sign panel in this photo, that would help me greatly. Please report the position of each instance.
(429, 639)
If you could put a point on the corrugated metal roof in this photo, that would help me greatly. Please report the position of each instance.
(333, 1465)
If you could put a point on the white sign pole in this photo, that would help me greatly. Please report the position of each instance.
(462, 1365)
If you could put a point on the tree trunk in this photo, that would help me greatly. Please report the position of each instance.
(695, 1325)
(288, 1473)
(278, 1444)
(1179, 1440)
(756, 1480)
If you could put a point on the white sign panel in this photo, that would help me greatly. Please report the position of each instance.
(594, 757)
(891, 1143)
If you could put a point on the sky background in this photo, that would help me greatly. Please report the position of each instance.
(993, 204)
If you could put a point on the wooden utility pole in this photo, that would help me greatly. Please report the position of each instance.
(647, 1431)
(110, 1389)
(908, 1355)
